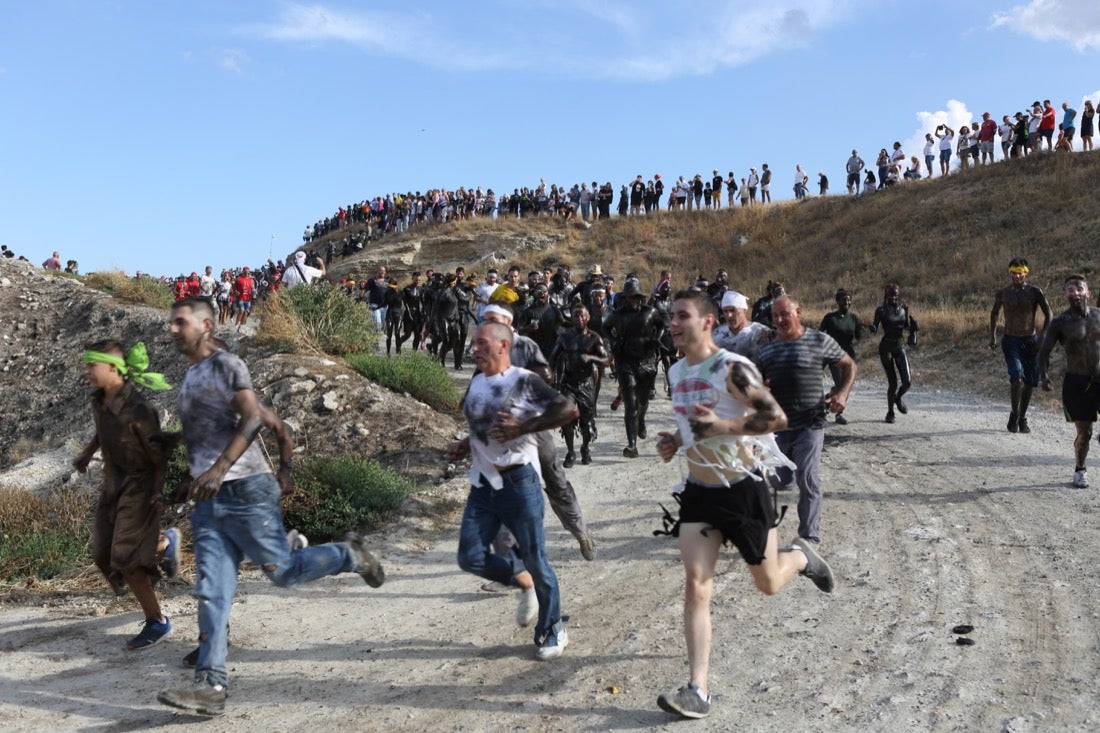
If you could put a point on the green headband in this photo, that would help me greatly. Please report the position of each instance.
(132, 367)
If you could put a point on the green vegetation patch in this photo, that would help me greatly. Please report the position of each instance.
(320, 316)
(142, 290)
(417, 373)
(332, 496)
(43, 537)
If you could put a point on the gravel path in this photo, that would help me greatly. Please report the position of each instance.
(941, 519)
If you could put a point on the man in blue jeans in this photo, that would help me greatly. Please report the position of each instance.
(1020, 343)
(505, 407)
(236, 500)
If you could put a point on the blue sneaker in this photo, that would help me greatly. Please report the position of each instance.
(154, 631)
(170, 564)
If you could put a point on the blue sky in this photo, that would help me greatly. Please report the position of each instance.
(164, 136)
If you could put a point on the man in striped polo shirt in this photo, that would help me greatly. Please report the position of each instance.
(792, 365)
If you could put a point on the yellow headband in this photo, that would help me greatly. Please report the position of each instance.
(1018, 269)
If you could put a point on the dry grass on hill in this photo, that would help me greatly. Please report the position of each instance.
(946, 242)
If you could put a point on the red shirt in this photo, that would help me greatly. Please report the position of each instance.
(180, 289)
(244, 287)
(1047, 122)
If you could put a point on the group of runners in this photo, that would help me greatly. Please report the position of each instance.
(747, 390)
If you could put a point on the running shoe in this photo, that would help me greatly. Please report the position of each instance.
(553, 646)
(1081, 479)
(366, 564)
(840, 419)
(688, 702)
(201, 697)
(154, 630)
(1013, 423)
(816, 568)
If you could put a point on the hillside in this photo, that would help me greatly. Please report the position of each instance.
(946, 242)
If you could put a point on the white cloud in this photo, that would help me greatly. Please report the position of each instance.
(609, 38)
(1074, 21)
(954, 116)
(232, 59)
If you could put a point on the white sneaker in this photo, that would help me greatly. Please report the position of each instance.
(552, 650)
(528, 607)
(297, 540)
(495, 586)
(1081, 479)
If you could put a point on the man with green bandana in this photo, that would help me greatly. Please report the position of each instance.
(127, 520)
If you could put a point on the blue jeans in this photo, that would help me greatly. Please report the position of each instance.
(804, 448)
(244, 518)
(518, 505)
(1022, 359)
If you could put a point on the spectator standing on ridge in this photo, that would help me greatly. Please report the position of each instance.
(800, 181)
(1088, 115)
(766, 184)
(754, 183)
(822, 183)
(854, 167)
(53, 262)
(731, 189)
(1047, 123)
(791, 365)
(1006, 132)
(929, 153)
(1020, 301)
(1069, 123)
(897, 157)
(716, 185)
(946, 137)
(987, 133)
(1077, 329)
(637, 196)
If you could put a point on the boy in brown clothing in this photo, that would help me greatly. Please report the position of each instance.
(126, 532)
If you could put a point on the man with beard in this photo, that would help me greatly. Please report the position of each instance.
(1078, 331)
(235, 500)
(541, 321)
(635, 332)
(573, 357)
(1020, 302)
(719, 287)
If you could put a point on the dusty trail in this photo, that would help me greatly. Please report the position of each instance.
(938, 520)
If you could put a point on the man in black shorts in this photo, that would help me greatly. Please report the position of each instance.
(1078, 331)
(725, 417)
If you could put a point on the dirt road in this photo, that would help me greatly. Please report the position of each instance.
(941, 519)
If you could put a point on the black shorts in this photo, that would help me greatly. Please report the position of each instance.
(744, 514)
(1080, 398)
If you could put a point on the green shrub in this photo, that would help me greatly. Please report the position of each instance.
(43, 536)
(333, 496)
(144, 290)
(418, 374)
(319, 316)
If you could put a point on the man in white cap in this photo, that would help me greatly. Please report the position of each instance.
(300, 273)
(740, 334)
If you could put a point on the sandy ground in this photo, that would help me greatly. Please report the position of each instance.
(941, 519)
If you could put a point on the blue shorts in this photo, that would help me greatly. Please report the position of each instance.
(244, 306)
(945, 156)
(1022, 359)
